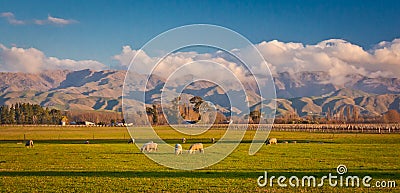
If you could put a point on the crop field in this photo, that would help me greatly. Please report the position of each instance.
(61, 162)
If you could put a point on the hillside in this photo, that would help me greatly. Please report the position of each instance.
(101, 90)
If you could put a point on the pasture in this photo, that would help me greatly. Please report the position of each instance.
(61, 162)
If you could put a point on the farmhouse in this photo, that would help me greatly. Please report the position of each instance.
(88, 123)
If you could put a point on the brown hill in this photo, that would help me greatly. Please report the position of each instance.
(101, 90)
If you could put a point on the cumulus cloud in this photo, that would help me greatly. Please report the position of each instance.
(337, 57)
(127, 54)
(32, 60)
(170, 63)
(11, 18)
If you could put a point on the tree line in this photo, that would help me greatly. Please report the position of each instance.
(97, 117)
(346, 114)
(26, 113)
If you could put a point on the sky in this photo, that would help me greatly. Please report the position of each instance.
(94, 33)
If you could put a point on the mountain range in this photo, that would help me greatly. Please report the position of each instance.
(302, 92)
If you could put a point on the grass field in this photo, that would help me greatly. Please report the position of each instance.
(60, 162)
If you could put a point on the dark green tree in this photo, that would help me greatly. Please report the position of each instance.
(4, 114)
(11, 115)
(155, 114)
(197, 101)
(255, 116)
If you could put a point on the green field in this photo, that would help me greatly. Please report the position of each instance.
(60, 162)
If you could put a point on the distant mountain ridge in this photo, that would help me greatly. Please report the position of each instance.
(101, 90)
(318, 83)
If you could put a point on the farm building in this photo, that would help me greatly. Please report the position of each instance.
(88, 123)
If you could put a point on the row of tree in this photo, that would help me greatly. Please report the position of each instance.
(97, 117)
(26, 113)
(344, 115)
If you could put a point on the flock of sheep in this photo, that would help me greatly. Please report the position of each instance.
(193, 148)
(151, 146)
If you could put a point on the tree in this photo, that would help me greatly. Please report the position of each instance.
(28, 113)
(149, 110)
(255, 116)
(4, 114)
(45, 116)
(207, 113)
(18, 114)
(155, 114)
(55, 116)
(392, 116)
(11, 115)
(197, 101)
(329, 114)
(173, 114)
(25, 113)
(348, 115)
(356, 114)
(341, 114)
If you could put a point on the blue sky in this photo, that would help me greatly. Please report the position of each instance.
(101, 28)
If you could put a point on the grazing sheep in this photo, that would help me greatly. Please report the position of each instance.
(212, 140)
(178, 149)
(149, 147)
(183, 140)
(285, 142)
(131, 141)
(273, 141)
(29, 144)
(195, 147)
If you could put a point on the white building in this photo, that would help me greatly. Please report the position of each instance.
(88, 123)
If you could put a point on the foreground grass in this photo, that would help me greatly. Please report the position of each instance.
(111, 165)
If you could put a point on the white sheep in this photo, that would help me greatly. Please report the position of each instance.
(272, 141)
(149, 147)
(212, 140)
(195, 147)
(178, 149)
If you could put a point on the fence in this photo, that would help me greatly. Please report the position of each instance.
(323, 128)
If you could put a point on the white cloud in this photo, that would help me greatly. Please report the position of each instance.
(11, 18)
(337, 57)
(167, 65)
(127, 55)
(55, 21)
(32, 60)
